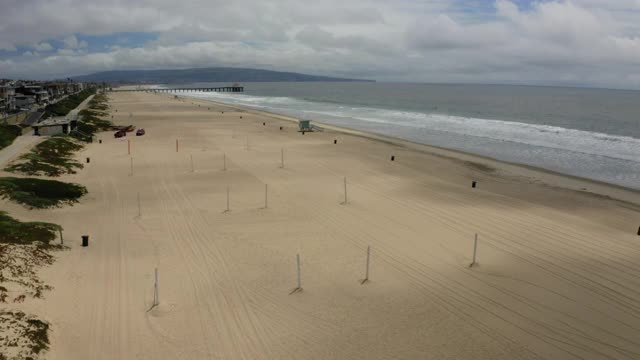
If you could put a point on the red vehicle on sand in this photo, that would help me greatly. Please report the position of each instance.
(140, 132)
(120, 133)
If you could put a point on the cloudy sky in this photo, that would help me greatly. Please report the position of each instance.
(560, 42)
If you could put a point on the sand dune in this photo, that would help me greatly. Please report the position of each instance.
(558, 274)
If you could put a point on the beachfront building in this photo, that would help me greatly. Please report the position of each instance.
(56, 90)
(24, 101)
(40, 95)
(56, 125)
(7, 99)
(74, 87)
(27, 95)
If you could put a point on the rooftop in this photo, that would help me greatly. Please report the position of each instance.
(58, 120)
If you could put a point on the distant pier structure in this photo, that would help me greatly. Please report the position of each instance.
(207, 89)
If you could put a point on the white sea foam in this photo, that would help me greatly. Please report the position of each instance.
(595, 155)
(619, 147)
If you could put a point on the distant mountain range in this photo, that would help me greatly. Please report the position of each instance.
(217, 74)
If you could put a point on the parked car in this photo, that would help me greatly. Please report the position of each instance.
(120, 133)
(140, 132)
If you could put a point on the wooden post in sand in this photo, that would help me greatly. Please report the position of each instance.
(475, 250)
(176, 145)
(139, 209)
(128, 147)
(228, 208)
(61, 238)
(299, 276)
(156, 294)
(265, 195)
(282, 158)
(345, 190)
(366, 275)
(192, 169)
(131, 167)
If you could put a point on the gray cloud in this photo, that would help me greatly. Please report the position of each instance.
(43, 46)
(71, 42)
(590, 42)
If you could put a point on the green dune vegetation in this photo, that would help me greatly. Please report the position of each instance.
(8, 133)
(62, 107)
(99, 102)
(39, 193)
(32, 242)
(91, 118)
(23, 250)
(13, 231)
(26, 335)
(52, 157)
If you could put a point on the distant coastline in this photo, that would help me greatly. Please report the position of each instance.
(216, 74)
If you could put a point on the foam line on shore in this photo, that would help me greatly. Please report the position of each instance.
(533, 173)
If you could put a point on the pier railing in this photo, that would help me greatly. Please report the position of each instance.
(207, 89)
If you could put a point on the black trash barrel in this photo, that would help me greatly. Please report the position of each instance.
(280, 127)
(639, 231)
(88, 160)
(85, 240)
(335, 141)
(264, 124)
(393, 157)
(473, 184)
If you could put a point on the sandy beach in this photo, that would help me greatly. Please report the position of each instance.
(557, 273)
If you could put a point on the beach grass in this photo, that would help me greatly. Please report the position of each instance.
(92, 117)
(64, 106)
(40, 193)
(28, 335)
(91, 122)
(13, 231)
(8, 133)
(52, 157)
(99, 102)
(37, 333)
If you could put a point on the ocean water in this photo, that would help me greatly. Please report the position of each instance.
(591, 133)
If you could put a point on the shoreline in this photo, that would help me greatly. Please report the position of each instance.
(512, 170)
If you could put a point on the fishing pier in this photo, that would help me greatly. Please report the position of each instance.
(207, 89)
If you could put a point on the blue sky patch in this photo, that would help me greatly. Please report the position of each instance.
(95, 43)
(101, 43)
